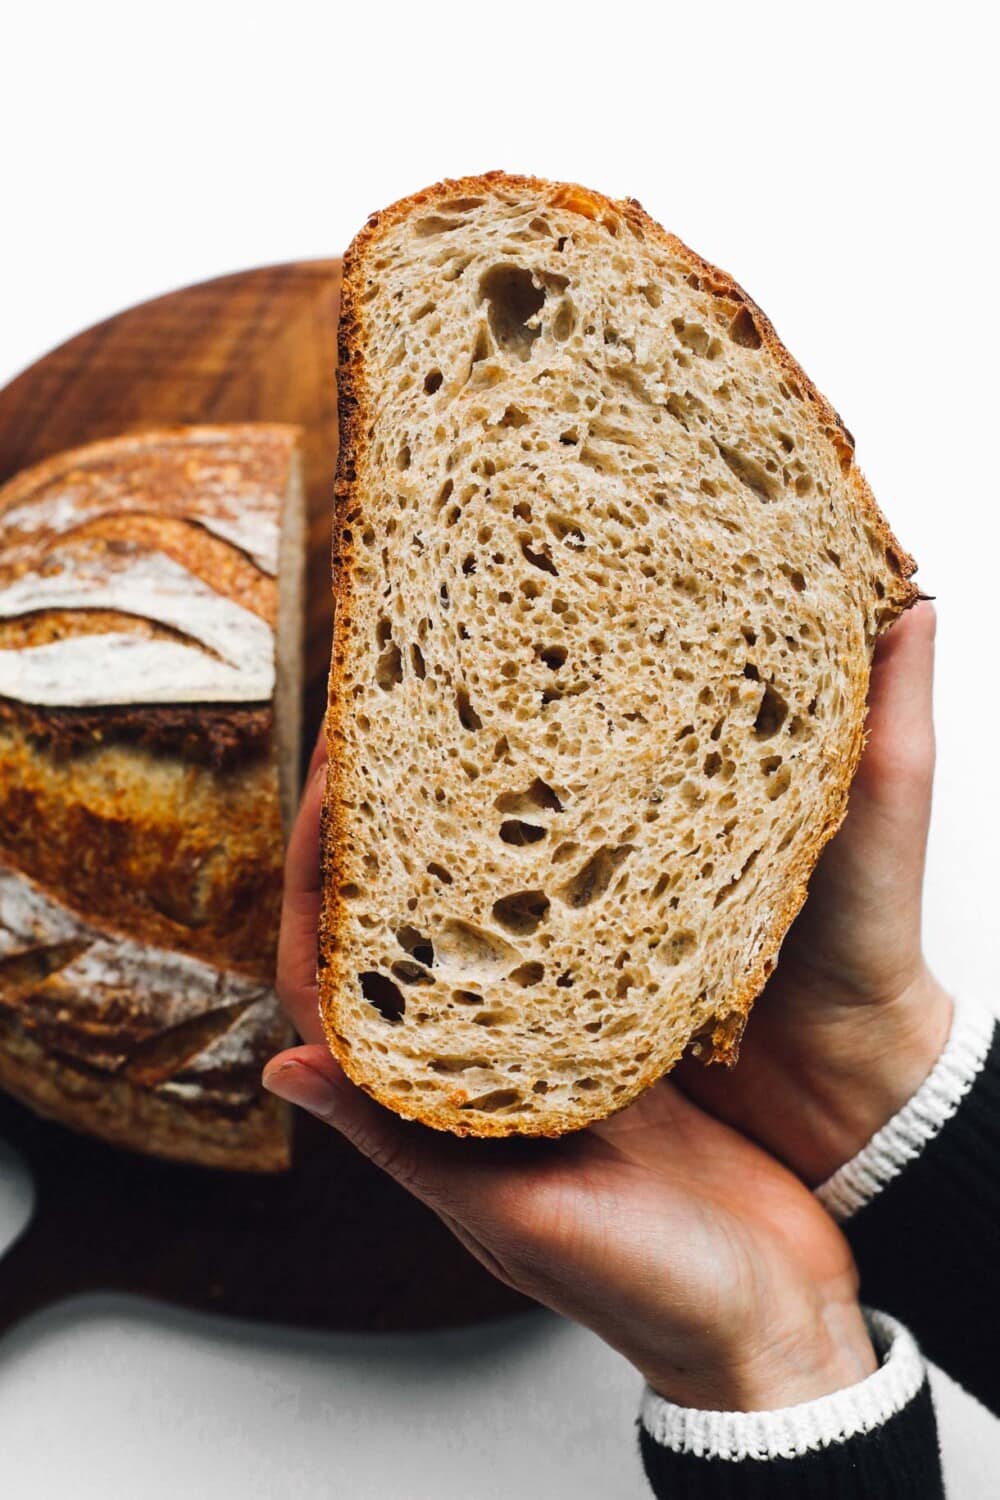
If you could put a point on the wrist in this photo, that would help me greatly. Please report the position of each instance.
(828, 1352)
(875, 1061)
(823, 1086)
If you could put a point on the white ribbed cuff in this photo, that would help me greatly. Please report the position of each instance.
(919, 1121)
(796, 1430)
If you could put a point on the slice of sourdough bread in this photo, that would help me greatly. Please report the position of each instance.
(607, 586)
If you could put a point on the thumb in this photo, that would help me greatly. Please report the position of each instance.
(311, 1078)
(899, 755)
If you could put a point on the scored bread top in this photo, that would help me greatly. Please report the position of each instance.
(166, 543)
(150, 690)
(607, 586)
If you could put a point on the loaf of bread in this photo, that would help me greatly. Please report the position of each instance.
(607, 587)
(150, 690)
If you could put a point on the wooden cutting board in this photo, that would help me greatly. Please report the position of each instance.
(332, 1243)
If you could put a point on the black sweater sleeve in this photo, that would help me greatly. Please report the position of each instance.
(897, 1461)
(875, 1441)
(927, 1243)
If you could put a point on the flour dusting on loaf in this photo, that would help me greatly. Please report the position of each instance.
(608, 583)
(150, 692)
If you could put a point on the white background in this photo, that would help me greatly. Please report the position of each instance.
(840, 161)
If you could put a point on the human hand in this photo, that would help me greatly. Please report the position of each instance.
(702, 1260)
(852, 1020)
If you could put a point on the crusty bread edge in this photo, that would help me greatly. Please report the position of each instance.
(26, 482)
(257, 1138)
(722, 1043)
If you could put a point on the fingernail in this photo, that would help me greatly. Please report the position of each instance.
(302, 1086)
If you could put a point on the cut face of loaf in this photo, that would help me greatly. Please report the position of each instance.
(608, 584)
(150, 689)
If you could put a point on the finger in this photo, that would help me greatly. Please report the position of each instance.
(900, 723)
(424, 1164)
(319, 752)
(300, 911)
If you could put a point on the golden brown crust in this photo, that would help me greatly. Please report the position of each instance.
(353, 397)
(171, 852)
(162, 465)
(204, 735)
(159, 822)
(254, 1136)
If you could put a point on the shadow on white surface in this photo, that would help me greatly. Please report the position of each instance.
(17, 1196)
(154, 1402)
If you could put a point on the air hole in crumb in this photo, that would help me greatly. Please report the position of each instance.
(743, 330)
(495, 1017)
(383, 995)
(432, 381)
(564, 321)
(554, 657)
(513, 831)
(469, 563)
(712, 763)
(462, 946)
(771, 715)
(417, 661)
(537, 794)
(468, 718)
(497, 1099)
(416, 944)
(794, 576)
(565, 529)
(433, 224)
(541, 559)
(389, 668)
(541, 1087)
(528, 974)
(522, 911)
(593, 878)
(779, 784)
(749, 472)
(410, 973)
(403, 457)
(513, 417)
(727, 890)
(513, 304)
(481, 347)
(677, 947)
(439, 872)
